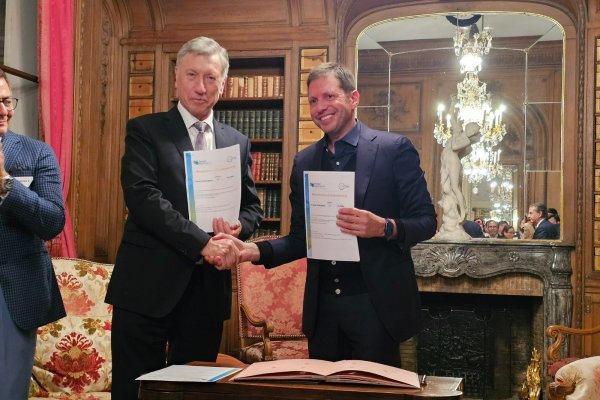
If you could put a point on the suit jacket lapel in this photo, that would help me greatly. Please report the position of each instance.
(11, 146)
(315, 161)
(222, 136)
(365, 158)
(178, 131)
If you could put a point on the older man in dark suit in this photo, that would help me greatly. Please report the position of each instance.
(357, 310)
(31, 211)
(544, 229)
(162, 289)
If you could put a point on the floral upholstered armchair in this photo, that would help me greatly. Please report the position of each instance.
(72, 356)
(270, 311)
(572, 378)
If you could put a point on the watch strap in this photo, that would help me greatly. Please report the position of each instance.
(389, 228)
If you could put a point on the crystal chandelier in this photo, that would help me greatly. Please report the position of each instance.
(470, 46)
(501, 193)
(474, 104)
(478, 164)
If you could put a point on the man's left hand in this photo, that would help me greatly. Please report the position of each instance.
(360, 223)
(222, 226)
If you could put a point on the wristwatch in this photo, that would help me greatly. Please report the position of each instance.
(388, 231)
(6, 185)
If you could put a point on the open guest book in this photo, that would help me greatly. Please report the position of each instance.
(346, 371)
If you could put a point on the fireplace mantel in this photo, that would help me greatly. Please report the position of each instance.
(481, 259)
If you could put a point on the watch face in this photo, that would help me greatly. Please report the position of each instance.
(6, 185)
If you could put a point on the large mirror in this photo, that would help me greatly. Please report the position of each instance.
(408, 67)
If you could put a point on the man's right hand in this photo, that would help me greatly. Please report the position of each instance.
(223, 254)
(245, 251)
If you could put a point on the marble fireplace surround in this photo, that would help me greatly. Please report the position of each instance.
(496, 266)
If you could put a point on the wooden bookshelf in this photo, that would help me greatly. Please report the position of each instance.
(253, 103)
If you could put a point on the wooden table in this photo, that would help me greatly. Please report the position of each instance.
(439, 388)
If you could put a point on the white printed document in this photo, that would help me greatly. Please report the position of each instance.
(213, 184)
(188, 373)
(325, 192)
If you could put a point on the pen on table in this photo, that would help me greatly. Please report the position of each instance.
(424, 380)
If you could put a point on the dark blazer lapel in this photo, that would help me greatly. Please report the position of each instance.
(365, 158)
(314, 161)
(178, 131)
(222, 136)
(11, 146)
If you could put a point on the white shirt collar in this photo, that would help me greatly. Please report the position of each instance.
(189, 120)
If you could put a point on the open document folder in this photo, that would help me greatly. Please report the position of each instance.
(346, 371)
(188, 373)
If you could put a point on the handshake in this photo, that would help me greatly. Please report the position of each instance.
(225, 251)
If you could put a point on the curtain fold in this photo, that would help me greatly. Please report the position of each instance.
(55, 63)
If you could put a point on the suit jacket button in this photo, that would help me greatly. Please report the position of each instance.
(338, 291)
(333, 262)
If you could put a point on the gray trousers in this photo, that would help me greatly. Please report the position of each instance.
(17, 347)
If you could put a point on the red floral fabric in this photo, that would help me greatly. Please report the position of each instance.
(275, 295)
(73, 359)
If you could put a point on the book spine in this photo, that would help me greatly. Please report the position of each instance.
(276, 86)
(277, 124)
(250, 86)
(263, 124)
(269, 129)
(270, 84)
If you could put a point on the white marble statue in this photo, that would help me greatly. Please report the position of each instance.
(453, 201)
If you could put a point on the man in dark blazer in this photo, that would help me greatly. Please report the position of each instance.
(162, 288)
(544, 229)
(357, 310)
(31, 211)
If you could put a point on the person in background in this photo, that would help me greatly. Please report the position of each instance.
(501, 227)
(31, 212)
(473, 229)
(509, 232)
(162, 289)
(554, 218)
(543, 228)
(527, 230)
(351, 308)
(491, 229)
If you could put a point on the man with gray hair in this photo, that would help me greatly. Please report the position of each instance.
(169, 302)
(544, 229)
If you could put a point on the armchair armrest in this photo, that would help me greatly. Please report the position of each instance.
(558, 332)
(560, 390)
(267, 328)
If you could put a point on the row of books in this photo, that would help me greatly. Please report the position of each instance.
(256, 86)
(256, 124)
(266, 166)
(260, 232)
(270, 200)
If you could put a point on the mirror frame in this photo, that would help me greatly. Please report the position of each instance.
(572, 93)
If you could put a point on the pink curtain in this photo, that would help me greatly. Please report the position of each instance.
(55, 60)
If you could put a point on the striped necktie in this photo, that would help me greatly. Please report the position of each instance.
(200, 143)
